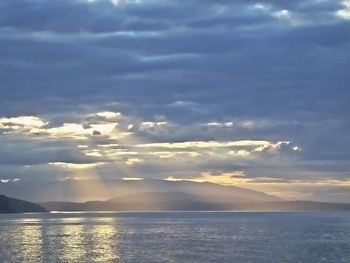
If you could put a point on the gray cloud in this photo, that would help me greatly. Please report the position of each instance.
(278, 70)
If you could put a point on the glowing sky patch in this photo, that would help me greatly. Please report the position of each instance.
(109, 116)
(132, 179)
(74, 166)
(214, 144)
(223, 179)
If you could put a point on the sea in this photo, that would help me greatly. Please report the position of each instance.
(137, 237)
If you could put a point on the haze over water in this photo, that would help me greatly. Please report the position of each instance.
(176, 237)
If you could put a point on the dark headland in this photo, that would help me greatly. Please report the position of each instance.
(11, 205)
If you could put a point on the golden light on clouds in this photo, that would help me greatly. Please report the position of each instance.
(109, 139)
(78, 131)
(215, 144)
(75, 166)
(232, 178)
(134, 161)
(109, 115)
(132, 179)
(103, 129)
(25, 124)
(33, 125)
(69, 130)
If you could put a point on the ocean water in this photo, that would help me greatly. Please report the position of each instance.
(221, 237)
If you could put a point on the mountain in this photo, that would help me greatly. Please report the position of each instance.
(155, 201)
(179, 201)
(84, 190)
(11, 205)
(299, 205)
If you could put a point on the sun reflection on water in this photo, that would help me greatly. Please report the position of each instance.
(70, 239)
(81, 240)
(28, 240)
(104, 241)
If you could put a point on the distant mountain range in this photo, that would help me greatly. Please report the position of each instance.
(152, 195)
(178, 201)
(83, 190)
(11, 205)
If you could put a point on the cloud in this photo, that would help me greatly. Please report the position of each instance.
(154, 127)
(29, 124)
(220, 124)
(109, 116)
(258, 145)
(223, 179)
(176, 88)
(74, 166)
(132, 179)
(345, 12)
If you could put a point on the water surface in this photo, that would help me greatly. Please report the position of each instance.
(239, 237)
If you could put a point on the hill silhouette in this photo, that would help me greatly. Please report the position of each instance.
(179, 201)
(11, 205)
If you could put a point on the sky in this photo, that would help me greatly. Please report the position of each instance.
(247, 93)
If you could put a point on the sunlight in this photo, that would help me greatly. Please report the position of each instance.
(233, 178)
(69, 245)
(29, 238)
(78, 131)
(220, 125)
(75, 166)
(134, 161)
(104, 129)
(212, 144)
(109, 115)
(26, 121)
(104, 237)
(72, 130)
(23, 124)
(132, 179)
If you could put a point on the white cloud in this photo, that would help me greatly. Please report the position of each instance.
(240, 153)
(260, 6)
(151, 124)
(132, 178)
(174, 154)
(212, 144)
(155, 127)
(345, 12)
(134, 161)
(30, 124)
(30, 121)
(220, 124)
(4, 181)
(283, 15)
(72, 130)
(229, 178)
(109, 115)
(75, 166)
(104, 129)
